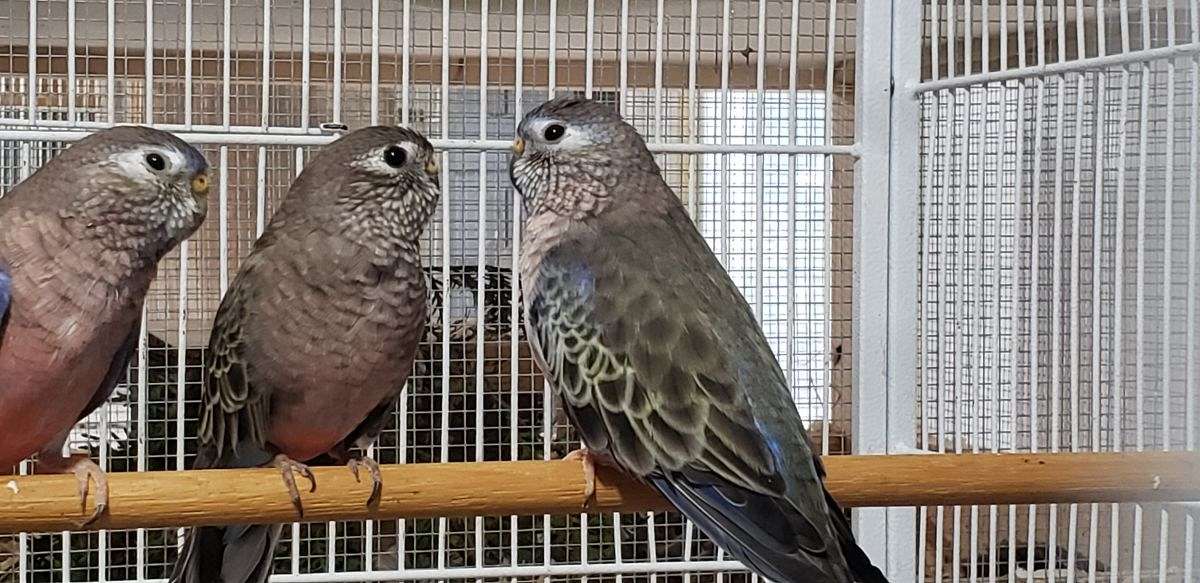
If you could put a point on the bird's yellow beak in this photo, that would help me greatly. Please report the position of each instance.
(432, 168)
(200, 184)
(518, 146)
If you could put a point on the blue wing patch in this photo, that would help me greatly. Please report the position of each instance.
(5, 290)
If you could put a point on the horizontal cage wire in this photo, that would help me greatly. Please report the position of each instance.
(1057, 298)
(730, 84)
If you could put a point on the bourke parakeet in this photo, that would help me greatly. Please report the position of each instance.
(655, 354)
(80, 240)
(315, 338)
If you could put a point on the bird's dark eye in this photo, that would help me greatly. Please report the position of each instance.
(554, 132)
(395, 156)
(155, 161)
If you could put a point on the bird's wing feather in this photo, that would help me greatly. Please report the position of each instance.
(116, 370)
(234, 410)
(654, 352)
(5, 296)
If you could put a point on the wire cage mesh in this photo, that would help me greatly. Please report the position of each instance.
(1058, 271)
(254, 81)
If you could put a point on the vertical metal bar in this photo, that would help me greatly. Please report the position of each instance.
(143, 391)
(688, 538)
(923, 439)
(1189, 527)
(1076, 279)
(658, 67)
(23, 468)
(64, 556)
(23, 547)
(827, 213)
(961, 341)
(961, 246)
(623, 99)
(110, 60)
(265, 105)
(759, 122)
(337, 61)
(968, 34)
(223, 219)
(1097, 282)
(726, 15)
(226, 72)
(148, 115)
(369, 527)
(1168, 267)
(31, 75)
(623, 95)
(1018, 245)
(985, 45)
(547, 396)
(260, 198)
(977, 388)
(1119, 293)
(481, 258)
(790, 310)
(998, 277)
(588, 48)
(296, 540)
(1140, 309)
(405, 63)
(374, 90)
(181, 343)
(305, 61)
(1056, 315)
(951, 38)
(515, 259)
(444, 439)
(187, 56)
(330, 546)
(553, 54)
(693, 112)
(886, 241)
(584, 542)
(71, 90)
(1035, 285)
(929, 381)
(295, 548)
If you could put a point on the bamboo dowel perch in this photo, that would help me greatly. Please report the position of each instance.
(46, 503)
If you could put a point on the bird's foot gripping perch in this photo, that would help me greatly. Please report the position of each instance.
(85, 470)
(289, 468)
(376, 477)
(589, 460)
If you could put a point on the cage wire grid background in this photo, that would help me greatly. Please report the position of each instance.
(1053, 171)
(1058, 220)
(734, 92)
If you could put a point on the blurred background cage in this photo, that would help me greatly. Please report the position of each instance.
(965, 226)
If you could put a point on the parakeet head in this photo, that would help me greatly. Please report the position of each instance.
(571, 152)
(381, 182)
(131, 186)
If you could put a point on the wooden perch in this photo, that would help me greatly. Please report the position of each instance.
(163, 499)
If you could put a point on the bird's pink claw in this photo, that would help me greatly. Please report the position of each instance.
(288, 468)
(589, 472)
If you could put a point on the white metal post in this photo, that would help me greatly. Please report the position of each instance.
(885, 241)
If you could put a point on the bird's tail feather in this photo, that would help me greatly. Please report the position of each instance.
(761, 531)
(861, 567)
(227, 554)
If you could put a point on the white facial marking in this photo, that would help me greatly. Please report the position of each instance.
(132, 163)
(375, 163)
(573, 138)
